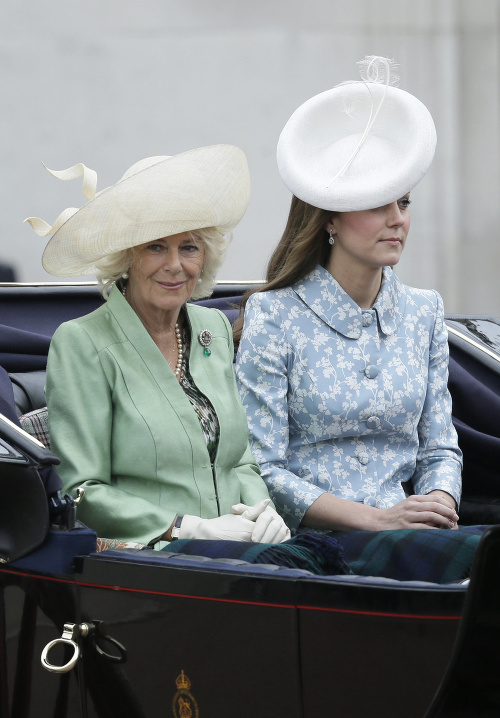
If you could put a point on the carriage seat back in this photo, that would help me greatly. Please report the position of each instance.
(29, 390)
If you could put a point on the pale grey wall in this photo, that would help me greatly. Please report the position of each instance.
(107, 82)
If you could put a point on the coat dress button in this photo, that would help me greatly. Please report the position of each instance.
(363, 458)
(373, 422)
(371, 371)
(367, 319)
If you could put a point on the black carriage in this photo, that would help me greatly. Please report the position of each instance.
(141, 633)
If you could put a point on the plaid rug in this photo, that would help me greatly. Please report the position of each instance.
(436, 555)
(320, 554)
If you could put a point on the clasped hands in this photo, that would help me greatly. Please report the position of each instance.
(259, 523)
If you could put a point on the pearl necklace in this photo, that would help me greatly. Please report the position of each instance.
(180, 350)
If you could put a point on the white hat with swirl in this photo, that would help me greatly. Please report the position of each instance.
(360, 145)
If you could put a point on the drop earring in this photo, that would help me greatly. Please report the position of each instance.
(332, 238)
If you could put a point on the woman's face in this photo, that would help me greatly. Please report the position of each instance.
(372, 237)
(164, 272)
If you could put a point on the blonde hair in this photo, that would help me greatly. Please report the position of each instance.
(302, 247)
(111, 268)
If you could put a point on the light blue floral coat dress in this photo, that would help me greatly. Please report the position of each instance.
(347, 400)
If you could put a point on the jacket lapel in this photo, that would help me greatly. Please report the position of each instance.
(149, 357)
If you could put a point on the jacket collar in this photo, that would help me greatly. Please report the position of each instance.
(149, 354)
(132, 326)
(137, 334)
(326, 298)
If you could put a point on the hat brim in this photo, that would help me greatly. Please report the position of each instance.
(322, 135)
(206, 187)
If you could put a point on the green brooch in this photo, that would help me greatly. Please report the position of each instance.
(205, 339)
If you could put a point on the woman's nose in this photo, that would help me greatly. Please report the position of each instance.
(395, 215)
(172, 261)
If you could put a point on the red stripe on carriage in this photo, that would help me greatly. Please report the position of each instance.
(380, 613)
(237, 601)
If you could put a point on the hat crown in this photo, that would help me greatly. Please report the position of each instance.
(360, 145)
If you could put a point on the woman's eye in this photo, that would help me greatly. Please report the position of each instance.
(404, 203)
(190, 248)
(155, 247)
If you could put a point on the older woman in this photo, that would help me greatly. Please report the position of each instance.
(342, 368)
(143, 407)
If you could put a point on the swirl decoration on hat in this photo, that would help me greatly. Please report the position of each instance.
(359, 145)
(372, 68)
(41, 227)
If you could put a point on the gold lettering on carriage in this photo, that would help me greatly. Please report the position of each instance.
(184, 704)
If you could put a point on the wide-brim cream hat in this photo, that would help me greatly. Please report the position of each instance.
(156, 197)
(360, 145)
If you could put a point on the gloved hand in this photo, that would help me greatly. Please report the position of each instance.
(228, 528)
(269, 527)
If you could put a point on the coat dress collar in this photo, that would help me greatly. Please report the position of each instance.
(326, 298)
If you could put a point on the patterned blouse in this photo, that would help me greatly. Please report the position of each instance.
(202, 406)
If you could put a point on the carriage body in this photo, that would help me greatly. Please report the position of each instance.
(182, 635)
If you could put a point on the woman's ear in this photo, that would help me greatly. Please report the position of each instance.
(330, 225)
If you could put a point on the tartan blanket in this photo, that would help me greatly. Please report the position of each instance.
(320, 554)
(434, 555)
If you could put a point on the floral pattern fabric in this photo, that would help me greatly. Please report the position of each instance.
(346, 400)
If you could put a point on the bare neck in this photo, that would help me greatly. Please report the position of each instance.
(362, 284)
(160, 324)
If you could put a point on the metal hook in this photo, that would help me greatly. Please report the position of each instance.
(101, 632)
(70, 634)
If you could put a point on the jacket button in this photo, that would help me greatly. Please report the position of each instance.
(363, 459)
(373, 422)
(371, 371)
(367, 319)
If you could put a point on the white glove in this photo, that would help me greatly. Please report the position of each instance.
(269, 527)
(227, 528)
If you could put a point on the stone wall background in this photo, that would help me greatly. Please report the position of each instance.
(107, 83)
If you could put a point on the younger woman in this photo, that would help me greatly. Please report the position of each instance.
(342, 368)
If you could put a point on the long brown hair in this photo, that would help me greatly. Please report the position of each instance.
(304, 245)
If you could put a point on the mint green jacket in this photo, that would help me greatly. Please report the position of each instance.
(126, 432)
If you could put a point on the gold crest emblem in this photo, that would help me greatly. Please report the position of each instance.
(184, 704)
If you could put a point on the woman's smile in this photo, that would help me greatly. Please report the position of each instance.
(164, 274)
(170, 285)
